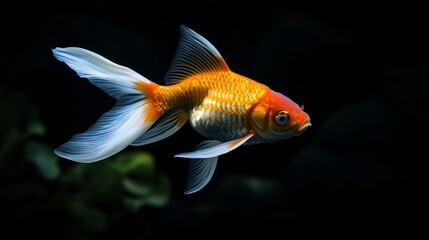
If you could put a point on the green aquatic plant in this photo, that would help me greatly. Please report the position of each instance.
(21, 129)
(129, 180)
(82, 199)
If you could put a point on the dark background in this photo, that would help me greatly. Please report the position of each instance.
(361, 69)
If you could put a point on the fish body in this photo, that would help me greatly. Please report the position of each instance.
(217, 103)
(223, 106)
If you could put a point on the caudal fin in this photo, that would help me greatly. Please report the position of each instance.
(132, 115)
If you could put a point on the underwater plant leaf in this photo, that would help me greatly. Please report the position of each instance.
(136, 188)
(134, 204)
(12, 109)
(161, 192)
(141, 182)
(87, 218)
(44, 158)
(18, 111)
(34, 124)
(139, 163)
(157, 195)
(100, 182)
(8, 139)
(97, 182)
(12, 113)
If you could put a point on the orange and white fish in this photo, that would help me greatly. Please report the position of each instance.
(228, 108)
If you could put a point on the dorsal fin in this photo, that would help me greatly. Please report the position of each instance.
(194, 55)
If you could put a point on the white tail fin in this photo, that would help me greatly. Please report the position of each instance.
(131, 117)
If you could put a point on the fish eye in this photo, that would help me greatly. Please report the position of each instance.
(282, 118)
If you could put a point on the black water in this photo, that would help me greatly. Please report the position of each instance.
(361, 70)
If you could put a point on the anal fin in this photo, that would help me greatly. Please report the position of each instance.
(200, 173)
(166, 126)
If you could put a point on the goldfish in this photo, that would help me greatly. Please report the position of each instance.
(227, 108)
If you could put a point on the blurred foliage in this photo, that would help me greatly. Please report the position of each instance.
(84, 200)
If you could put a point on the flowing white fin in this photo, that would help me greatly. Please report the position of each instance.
(216, 150)
(132, 115)
(201, 170)
(116, 80)
(204, 161)
(200, 173)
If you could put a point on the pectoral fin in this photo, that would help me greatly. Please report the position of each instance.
(204, 161)
(215, 149)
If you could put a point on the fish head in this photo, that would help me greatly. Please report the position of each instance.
(276, 117)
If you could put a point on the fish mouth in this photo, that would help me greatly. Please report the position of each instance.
(304, 125)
